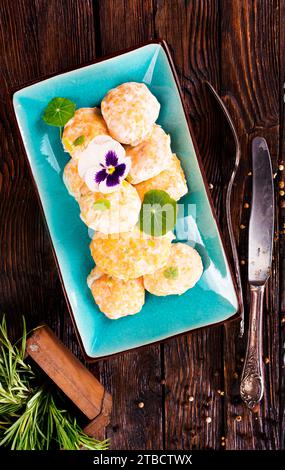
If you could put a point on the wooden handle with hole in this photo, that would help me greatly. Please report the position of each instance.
(70, 375)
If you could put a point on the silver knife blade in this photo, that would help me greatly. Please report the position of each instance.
(261, 224)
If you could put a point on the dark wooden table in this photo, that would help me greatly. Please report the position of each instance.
(239, 45)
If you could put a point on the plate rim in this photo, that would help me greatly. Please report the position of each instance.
(13, 90)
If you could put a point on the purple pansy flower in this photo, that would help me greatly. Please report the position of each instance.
(104, 165)
(112, 171)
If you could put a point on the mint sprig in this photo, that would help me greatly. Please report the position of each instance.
(58, 112)
(79, 141)
(171, 272)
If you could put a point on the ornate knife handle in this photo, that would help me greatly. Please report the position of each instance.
(251, 388)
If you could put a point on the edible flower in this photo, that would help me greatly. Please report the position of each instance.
(103, 164)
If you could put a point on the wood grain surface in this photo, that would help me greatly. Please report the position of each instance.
(250, 87)
(183, 394)
(281, 229)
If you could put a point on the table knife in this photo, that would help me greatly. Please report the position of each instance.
(261, 230)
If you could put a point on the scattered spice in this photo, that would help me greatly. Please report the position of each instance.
(281, 167)
(208, 420)
(238, 418)
(242, 227)
(141, 404)
(246, 205)
(191, 398)
(281, 184)
(211, 186)
(281, 192)
(242, 262)
(266, 360)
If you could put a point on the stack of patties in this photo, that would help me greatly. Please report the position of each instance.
(117, 157)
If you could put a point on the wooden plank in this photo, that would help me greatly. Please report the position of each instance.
(250, 86)
(124, 23)
(193, 364)
(66, 35)
(134, 378)
(27, 270)
(37, 37)
(135, 382)
(18, 289)
(281, 179)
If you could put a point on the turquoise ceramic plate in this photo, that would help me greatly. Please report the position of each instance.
(214, 298)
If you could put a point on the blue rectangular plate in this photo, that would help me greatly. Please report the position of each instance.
(214, 298)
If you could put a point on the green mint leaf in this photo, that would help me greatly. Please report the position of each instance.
(79, 140)
(58, 112)
(171, 272)
(158, 213)
(102, 205)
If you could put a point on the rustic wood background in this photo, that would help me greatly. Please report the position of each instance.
(239, 45)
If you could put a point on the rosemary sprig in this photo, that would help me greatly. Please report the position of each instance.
(16, 376)
(31, 411)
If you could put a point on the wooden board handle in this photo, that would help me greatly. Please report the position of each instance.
(86, 392)
(96, 428)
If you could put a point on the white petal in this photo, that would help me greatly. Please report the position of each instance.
(95, 153)
(92, 156)
(89, 178)
(103, 188)
(118, 148)
(128, 163)
(102, 139)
